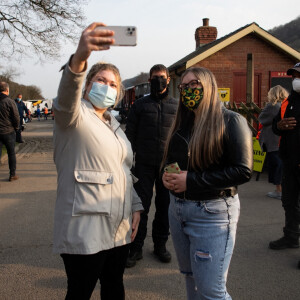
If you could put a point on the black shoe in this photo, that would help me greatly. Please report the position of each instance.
(299, 264)
(133, 257)
(284, 243)
(162, 254)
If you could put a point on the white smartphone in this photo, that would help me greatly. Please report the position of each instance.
(124, 35)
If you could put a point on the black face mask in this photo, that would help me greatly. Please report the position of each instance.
(158, 85)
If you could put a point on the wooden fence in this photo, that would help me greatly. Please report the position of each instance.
(250, 111)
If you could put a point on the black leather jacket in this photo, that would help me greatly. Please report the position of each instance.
(9, 116)
(234, 168)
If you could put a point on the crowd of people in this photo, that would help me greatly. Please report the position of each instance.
(106, 175)
(11, 127)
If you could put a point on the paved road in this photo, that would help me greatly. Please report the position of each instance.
(29, 270)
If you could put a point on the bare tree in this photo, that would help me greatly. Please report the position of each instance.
(33, 92)
(38, 27)
(9, 73)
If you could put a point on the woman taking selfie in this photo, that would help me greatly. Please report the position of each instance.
(213, 148)
(97, 210)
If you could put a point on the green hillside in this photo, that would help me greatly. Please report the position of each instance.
(288, 33)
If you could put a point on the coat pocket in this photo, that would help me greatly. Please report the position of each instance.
(93, 192)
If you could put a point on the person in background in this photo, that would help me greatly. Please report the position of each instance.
(9, 124)
(213, 148)
(21, 108)
(97, 210)
(38, 113)
(269, 142)
(287, 125)
(46, 113)
(148, 123)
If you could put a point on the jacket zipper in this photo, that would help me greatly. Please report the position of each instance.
(159, 128)
(188, 162)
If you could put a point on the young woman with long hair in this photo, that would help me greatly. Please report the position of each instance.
(213, 148)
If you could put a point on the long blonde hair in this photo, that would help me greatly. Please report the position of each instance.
(206, 143)
(277, 94)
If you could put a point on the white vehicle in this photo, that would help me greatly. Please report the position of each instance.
(29, 105)
(41, 104)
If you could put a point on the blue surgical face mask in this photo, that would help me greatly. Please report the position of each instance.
(19, 99)
(102, 96)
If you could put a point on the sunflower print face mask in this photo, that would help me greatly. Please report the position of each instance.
(191, 98)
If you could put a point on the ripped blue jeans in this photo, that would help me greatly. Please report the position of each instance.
(203, 234)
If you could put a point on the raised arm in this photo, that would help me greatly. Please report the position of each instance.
(67, 103)
(92, 39)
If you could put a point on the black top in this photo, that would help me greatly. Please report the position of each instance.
(220, 179)
(289, 147)
(9, 115)
(148, 125)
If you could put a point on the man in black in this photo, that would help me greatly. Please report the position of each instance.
(21, 108)
(287, 125)
(148, 124)
(9, 124)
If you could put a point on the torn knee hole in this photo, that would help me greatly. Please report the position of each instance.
(202, 255)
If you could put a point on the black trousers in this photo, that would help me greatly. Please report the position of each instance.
(291, 199)
(274, 167)
(148, 177)
(9, 141)
(83, 272)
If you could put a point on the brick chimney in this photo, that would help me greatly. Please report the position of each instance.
(205, 34)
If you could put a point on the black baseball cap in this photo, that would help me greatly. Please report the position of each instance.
(295, 68)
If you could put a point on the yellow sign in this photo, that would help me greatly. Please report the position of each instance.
(224, 94)
(258, 156)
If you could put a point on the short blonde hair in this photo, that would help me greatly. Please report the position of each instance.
(102, 66)
(277, 94)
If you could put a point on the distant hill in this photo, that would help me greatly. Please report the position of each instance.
(27, 91)
(288, 33)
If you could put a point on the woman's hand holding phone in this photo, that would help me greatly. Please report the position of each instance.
(91, 39)
(174, 179)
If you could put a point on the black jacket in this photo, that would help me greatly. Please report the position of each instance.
(234, 168)
(9, 115)
(148, 125)
(289, 147)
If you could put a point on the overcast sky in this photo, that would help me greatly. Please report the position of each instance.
(165, 32)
